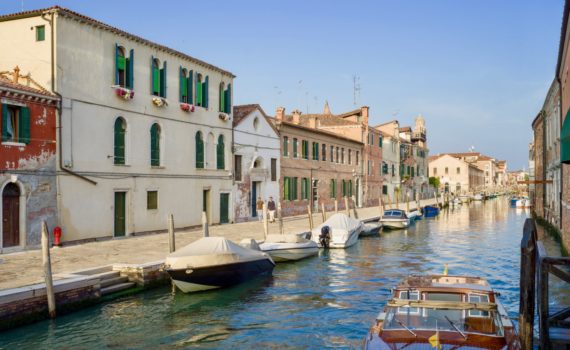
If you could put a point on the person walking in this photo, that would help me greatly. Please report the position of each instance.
(271, 208)
(259, 208)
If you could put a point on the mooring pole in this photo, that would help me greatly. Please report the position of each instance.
(346, 209)
(205, 229)
(265, 221)
(336, 206)
(310, 214)
(354, 207)
(527, 284)
(324, 213)
(171, 239)
(280, 217)
(46, 261)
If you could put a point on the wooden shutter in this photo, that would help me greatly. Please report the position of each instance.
(198, 92)
(120, 142)
(285, 146)
(152, 77)
(190, 85)
(273, 169)
(24, 127)
(303, 188)
(350, 188)
(182, 81)
(564, 140)
(286, 188)
(131, 69)
(163, 80)
(228, 99)
(220, 161)
(295, 190)
(5, 117)
(199, 151)
(205, 92)
(154, 145)
(116, 64)
(221, 93)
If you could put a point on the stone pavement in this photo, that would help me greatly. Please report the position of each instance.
(25, 268)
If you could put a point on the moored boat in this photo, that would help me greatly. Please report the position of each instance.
(431, 211)
(215, 262)
(343, 231)
(288, 247)
(443, 312)
(523, 203)
(371, 228)
(478, 197)
(513, 201)
(414, 215)
(395, 219)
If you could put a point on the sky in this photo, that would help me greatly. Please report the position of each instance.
(477, 70)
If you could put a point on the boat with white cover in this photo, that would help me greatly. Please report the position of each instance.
(478, 197)
(395, 219)
(371, 228)
(344, 231)
(414, 215)
(288, 247)
(215, 262)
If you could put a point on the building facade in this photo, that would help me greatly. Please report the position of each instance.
(551, 110)
(390, 161)
(27, 161)
(145, 131)
(538, 195)
(256, 162)
(317, 166)
(455, 175)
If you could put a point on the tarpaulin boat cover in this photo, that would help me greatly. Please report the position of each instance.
(339, 222)
(289, 238)
(211, 251)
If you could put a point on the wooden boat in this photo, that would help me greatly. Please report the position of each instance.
(215, 262)
(431, 211)
(371, 228)
(395, 219)
(288, 247)
(443, 312)
(344, 231)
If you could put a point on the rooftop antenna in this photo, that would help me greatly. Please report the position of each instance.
(356, 88)
(22, 5)
(472, 149)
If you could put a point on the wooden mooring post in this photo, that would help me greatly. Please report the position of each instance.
(346, 208)
(46, 261)
(205, 229)
(171, 239)
(280, 218)
(310, 215)
(265, 221)
(527, 284)
(336, 206)
(323, 211)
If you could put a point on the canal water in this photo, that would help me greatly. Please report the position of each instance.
(324, 302)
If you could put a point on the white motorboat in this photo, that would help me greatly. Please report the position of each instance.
(414, 215)
(215, 262)
(465, 198)
(478, 197)
(371, 228)
(395, 219)
(523, 203)
(344, 231)
(288, 247)
(456, 201)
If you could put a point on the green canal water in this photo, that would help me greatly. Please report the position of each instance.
(327, 301)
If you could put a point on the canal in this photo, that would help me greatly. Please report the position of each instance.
(326, 301)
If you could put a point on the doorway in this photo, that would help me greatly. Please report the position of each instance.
(120, 214)
(11, 216)
(206, 203)
(224, 208)
(255, 192)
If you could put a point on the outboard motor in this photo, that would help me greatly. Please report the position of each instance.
(325, 237)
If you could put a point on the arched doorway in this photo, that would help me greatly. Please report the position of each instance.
(10, 216)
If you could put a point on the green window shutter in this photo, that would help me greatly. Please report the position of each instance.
(205, 92)
(198, 92)
(155, 145)
(24, 132)
(190, 84)
(119, 155)
(4, 122)
(303, 188)
(350, 188)
(163, 81)
(228, 99)
(182, 82)
(199, 151)
(220, 153)
(131, 70)
(221, 94)
(285, 146)
(380, 141)
(343, 188)
(286, 188)
(564, 140)
(294, 148)
(116, 64)
(294, 189)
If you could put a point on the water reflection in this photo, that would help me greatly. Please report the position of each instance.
(325, 301)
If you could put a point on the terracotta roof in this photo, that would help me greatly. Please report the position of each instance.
(320, 131)
(7, 83)
(72, 14)
(242, 111)
(436, 157)
(405, 129)
(465, 154)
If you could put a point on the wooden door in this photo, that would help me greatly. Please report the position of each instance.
(224, 208)
(254, 199)
(120, 214)
(11, 216)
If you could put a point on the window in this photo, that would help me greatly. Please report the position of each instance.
(305, 188)
(186, 79)
(385, 168)
(315, 151)
(225, 98)
(324, 152)
(369, 167)
(124, 67)
(273, 169)
(371, 139)
(446, 171)
(237, 167)
(349, 156)
(155, 145)
(305, 149)
(380, 141)
(199, 150)
(350, 188)
(458, 170)
(333, 188)
(119, 149)
(357, 157)
(435, 171)
(286, 185)
(337, 154)
(413, 171)
(332, 154)
(151, 200)
(158, 78)
(15, 124)
(409, 295)
(285, 146)
(393, 170)
(40, 33)
(220, 154)
(202, 84)
(295, 145)
(384, 189)
(293, 189)
(344, 188)
(342, 156)
(408, 170)
(478, 298)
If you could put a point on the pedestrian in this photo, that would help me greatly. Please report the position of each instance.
(259, 208)
(271, 208)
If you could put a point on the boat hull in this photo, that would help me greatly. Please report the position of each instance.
(371, 229)
(395, 224)
(431, 211)
(352, 239)
(291, 254)
(220, 276)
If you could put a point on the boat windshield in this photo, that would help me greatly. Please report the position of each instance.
(452, 320)
(394, 213)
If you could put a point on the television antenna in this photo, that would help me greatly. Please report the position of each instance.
(356, 88)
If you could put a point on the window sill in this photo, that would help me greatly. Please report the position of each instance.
(122, 165)
(157, 167)
(14, 144)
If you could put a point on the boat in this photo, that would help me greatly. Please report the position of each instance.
(215, 262)
(371, 228)
(288, 247)
(478, 197)
(513, 201)
(465, 198)
(443, 312)
(430, 211)
(522, 203)
(414, 215)
(456, 201)
(344, 231)
(395, 219)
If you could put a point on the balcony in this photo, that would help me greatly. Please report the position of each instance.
(418, 136)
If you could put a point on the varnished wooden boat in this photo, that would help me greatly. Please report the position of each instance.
(443, 312)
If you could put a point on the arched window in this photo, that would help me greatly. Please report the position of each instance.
(124, 67)
(199, 150)
(186, 80)
(202, 91)
(155, 145)
(120, 131)
(158, 77)
(222, 104)
(121, 66)
(220, 153)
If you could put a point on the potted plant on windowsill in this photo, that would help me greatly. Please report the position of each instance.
(159, 101)
(186, 107)
(123, 92)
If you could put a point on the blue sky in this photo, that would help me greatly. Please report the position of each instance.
(478, 70)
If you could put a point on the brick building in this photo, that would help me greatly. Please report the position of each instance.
(27, 160)
(538, 195)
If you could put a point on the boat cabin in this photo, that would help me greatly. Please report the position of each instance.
(394, 214)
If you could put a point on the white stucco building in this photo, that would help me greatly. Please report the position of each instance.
(145, 130)
(256, 160)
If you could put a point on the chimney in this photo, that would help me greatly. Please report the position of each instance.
(280, 113)
(296, 116)
(364, 113)
(16, 75)
(313, 122)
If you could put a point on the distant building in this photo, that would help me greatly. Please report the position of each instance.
(455, 174)
(390, 158)
(256, 160)
(27, 161)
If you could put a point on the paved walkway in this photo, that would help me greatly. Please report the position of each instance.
(25, 268)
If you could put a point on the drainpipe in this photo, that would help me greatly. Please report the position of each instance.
(561, 165)
(59, 108)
